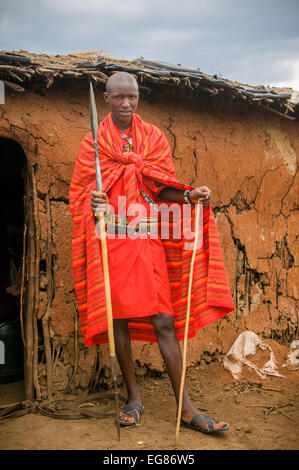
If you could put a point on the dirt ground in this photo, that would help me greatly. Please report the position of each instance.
(263, 414)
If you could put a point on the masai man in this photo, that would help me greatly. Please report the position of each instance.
(148, 275)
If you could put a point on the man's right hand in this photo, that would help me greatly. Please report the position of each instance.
(99, 202)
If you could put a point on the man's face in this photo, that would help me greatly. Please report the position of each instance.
(123, 100)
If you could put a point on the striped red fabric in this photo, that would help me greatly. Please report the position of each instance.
(211, 295)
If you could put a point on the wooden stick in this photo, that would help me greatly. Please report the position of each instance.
(13, 86)
(15, 76)
(283, 413)
(93, 373)
(98, 366)
(76, 347)
(212, 91)
(15, 58)
(29, 389)
(272, 389)
(22, 276)
(50, 290)
(197, 212)
(36, 285)
(278, 113)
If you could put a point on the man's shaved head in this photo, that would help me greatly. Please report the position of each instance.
(120, 78)
(122, 95)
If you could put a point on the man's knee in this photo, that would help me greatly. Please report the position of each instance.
(163, 324)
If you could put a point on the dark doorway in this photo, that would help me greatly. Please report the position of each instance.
(12, 189)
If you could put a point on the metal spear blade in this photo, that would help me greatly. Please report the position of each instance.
(94, 129)
(93, 112)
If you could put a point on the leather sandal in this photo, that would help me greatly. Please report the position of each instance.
(209, 422)
(131, 410)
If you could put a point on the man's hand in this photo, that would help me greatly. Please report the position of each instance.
(203, 195)
(99, 202)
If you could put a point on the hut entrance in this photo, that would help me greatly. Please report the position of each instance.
(12, 190)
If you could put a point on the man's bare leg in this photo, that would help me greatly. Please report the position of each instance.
(171, 353)
(123, 351)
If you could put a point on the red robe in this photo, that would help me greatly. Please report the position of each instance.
(150, 165)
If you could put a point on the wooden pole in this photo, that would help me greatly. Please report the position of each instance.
(50, 292)
(23, 273)
(29, 349)
(197, 212)
(278, 113)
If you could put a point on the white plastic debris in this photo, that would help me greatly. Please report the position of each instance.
(293, 357)
(244, 346)
(294, 97)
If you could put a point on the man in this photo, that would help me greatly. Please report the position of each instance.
(148, 275)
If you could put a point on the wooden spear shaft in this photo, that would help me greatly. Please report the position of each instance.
(184, 361)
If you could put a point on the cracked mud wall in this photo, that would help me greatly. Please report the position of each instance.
(248, 159)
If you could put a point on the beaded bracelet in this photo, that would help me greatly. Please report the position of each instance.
(187, 196)
(105, 213)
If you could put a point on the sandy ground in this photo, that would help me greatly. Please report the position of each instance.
(241, 403)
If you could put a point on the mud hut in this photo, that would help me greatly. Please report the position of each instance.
(241, 141)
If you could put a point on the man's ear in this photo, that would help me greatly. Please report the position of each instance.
(106, 96)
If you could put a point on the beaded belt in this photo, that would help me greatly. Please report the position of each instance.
(117, 224)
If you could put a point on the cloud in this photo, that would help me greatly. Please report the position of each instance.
(97, 9)
(293, 81)
(253, 42)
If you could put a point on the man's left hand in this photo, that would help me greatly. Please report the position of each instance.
(203, 195)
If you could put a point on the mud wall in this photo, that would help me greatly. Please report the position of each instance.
(248, 159)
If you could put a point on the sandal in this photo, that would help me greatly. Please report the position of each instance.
(209, 422)
(131, 410)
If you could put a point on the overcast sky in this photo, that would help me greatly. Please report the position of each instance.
(253, 41)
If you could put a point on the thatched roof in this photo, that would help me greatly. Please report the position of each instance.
(20, 70)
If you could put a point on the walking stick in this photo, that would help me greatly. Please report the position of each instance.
(101, 218)
(197, 212)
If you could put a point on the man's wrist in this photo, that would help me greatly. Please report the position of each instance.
(106, 212)
(187, 197)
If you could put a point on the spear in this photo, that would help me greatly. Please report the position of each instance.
(101, 219)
